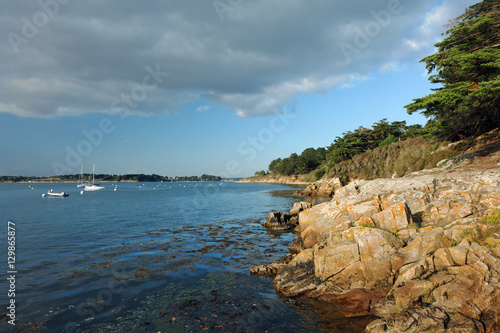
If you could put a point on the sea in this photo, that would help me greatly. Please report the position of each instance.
(149, 257)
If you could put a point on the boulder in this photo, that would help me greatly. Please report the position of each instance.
(280, 222)
(286, 221)
(322, 188)
(299, 206)
(327, 212)
(296, 278)
(395, 217)
(361, 259)
(427, 319)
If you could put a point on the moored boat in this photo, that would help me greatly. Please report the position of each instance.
(81, 183)
(93, 186)
(55, 194)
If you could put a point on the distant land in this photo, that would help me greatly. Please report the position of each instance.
(113, 178)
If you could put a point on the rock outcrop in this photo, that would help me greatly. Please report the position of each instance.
(417, 252)
(321, 188)
(279, 221)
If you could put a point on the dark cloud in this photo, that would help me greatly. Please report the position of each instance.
(69, 57)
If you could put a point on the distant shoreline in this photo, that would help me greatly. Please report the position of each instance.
(113, 181)
(277, 179)
(128, 178)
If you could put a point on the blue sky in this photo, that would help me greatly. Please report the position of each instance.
(220, 88)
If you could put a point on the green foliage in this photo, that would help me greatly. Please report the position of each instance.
(203, 178)
(295, 164)
(113, 178)
(318, 174)
(345, 148)
(398, 158)
(467, 68)
(362, 139)
(467, 103)
(492, 219)
(260, 173)
(387, 141)
(210, 178)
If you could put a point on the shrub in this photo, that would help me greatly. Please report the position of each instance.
(319, 173)
(493, 218)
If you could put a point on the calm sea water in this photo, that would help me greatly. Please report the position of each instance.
(151, 257)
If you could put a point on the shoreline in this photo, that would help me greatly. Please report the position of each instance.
(401, 248)
(202, 265)
(114, 181)
(280, 180)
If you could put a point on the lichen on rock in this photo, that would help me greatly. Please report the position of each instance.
(414, 251)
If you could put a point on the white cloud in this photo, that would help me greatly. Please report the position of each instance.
(255, 61)
(202, 108)
(432, 26)
(392, 66)
(274, 98)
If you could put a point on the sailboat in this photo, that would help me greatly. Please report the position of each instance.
(94, 186)
(81, 183)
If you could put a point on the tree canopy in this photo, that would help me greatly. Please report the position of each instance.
(467, 67)
(345, 147)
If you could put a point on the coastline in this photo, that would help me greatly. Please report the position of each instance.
(111, 181)
(420, 252)
(196, 264)
(277, 179)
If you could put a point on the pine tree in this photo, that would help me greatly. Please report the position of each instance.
(467, 66)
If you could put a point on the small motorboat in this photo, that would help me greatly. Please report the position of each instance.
(55, 194)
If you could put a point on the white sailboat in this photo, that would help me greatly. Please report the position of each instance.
(94, 186)
(81, 183)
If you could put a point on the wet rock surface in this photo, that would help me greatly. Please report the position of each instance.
(421, 252)
(278, 221)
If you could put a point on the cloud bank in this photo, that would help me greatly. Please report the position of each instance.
(62, 57)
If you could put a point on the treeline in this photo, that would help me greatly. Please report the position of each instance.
(203, 178)
(110, 178)
(15, 179)
(465, 104)
(345, 147)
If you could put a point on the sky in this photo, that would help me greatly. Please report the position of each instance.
(217, 87)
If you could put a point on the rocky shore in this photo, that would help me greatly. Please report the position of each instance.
(299, 180)
(421, 253)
